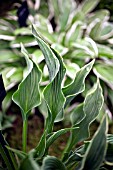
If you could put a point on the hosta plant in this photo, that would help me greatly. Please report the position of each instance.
(78, 33)
(92, 154)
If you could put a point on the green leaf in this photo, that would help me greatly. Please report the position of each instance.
(29, 163)
(40, 149)
(78, 85)
(110, 138)
(28, 95)
(56, 100)
(107, 31)
(77, 115)
(8, 56)
(57, 134)
(19, 153)
(7, 155)
(109, 154)
(93, 102)
(62, 10)
(51, 162)
(91, 108)
(101, 14)
(73, 33)
(105, 51)
(96, 151)
(88, 5)
(51, 60)
(27, 40)
(96, 30)
(103, 71)
(2, 90)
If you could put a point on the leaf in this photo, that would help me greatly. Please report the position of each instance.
(77, 115)
(73, 33)
(109, 154)
(88, 5)
(2, 90)
(96, 151)
(96, 29)
(105, 51)
(57, 134)
(91, 108)
(51, 162)
(40, 149)
(78, 85)
(110, 138)
(7, 156)
(29, 163)
(27, 40)
(103, 71)
(19, 153)
(62, 10)
(93, 102)
(107, 31)
(56, 100)
(28, 95)
(8, 56)
(72, 69)
(101, 14)
(51, 60)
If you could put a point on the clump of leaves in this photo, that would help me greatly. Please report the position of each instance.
(94, 154)
(80, 35)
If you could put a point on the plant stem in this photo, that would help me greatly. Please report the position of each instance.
(24, 134)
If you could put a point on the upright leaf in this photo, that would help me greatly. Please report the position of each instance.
(91, 108)
(95, 153)
(28, 95)
(55, 101)
(51, 60)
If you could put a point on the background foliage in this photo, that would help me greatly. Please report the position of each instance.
(65, 63)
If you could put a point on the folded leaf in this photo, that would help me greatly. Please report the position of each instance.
(56, 100)
(28, 95)
(78, 85)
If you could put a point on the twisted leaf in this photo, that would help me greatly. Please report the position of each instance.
(78, 85)
(55, 101)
